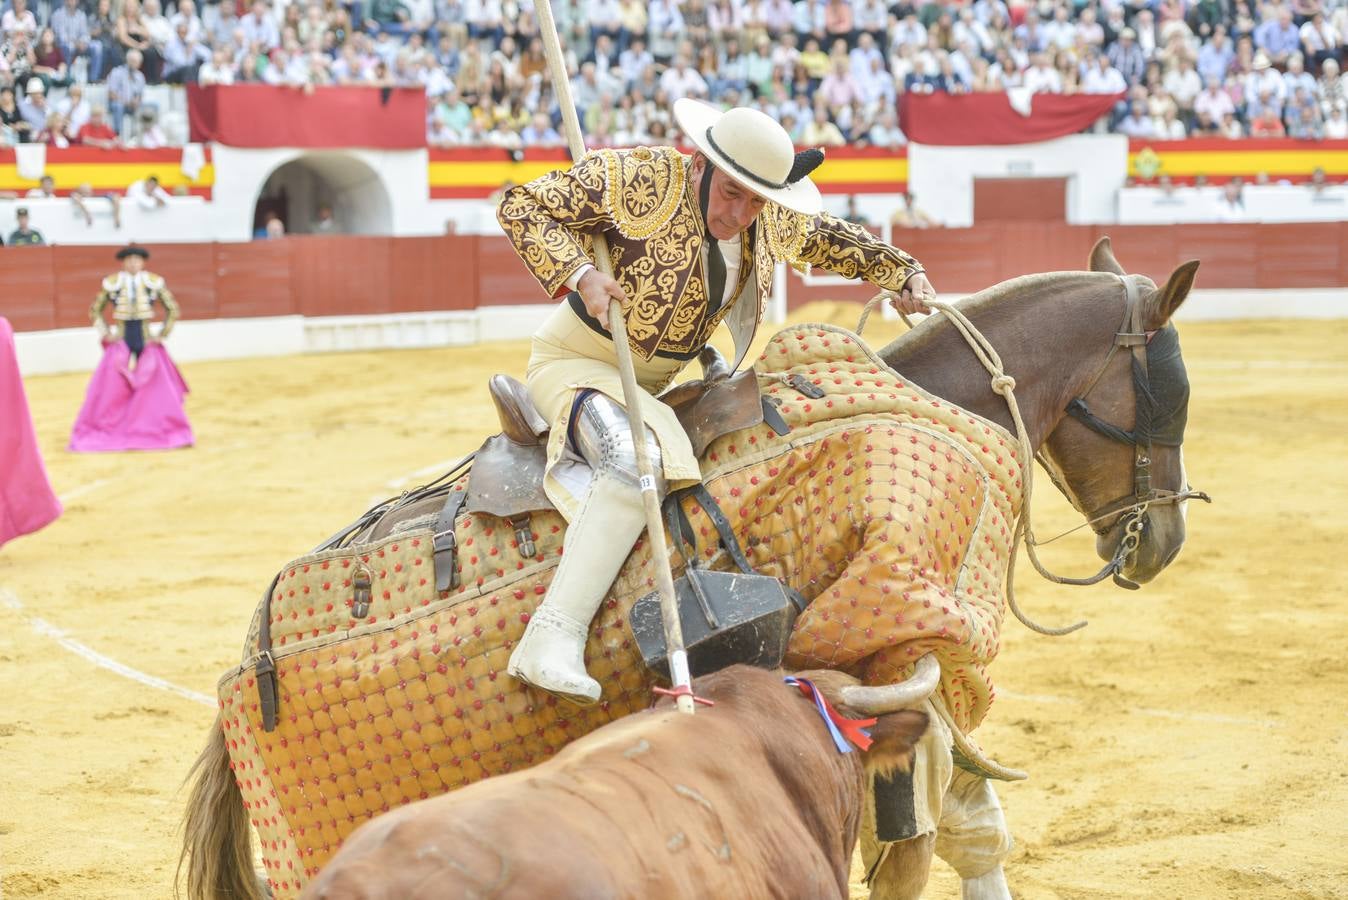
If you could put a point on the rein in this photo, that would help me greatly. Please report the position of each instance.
(1133, 336)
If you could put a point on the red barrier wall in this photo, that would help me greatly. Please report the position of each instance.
(52, 287)
(1268, 257)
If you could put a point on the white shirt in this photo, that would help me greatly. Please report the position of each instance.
(152, 138)
(436, 81)
(1043, 80)
(1172, 130)
(1323, 38)
(161, 31)
(679, 84)
(1110, 81)
(1215, 103)
(76, 113)
(145, 199)
(1184, 86)
(886, 136)
(211, 74)
(606, 14)
(195, 31)
(1059, 34)
(1268, 80)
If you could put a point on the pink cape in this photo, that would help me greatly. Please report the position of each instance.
(26, 499)
(133, 409)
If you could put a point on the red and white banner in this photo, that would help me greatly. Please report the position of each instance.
(1000, 118)
(260, 115)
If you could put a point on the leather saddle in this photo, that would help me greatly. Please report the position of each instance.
(708, 408)
(506, 480)
(507, 474)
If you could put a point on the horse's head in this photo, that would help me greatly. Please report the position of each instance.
(1118, 454)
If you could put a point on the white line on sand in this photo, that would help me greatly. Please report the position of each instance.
(61, 637)
(76, 492)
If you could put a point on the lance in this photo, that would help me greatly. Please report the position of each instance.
(655, 532)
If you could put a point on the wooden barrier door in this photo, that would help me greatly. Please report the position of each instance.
(1020, 200)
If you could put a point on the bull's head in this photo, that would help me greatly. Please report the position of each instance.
(897, 728)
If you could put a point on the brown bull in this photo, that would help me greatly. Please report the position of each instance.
(749, 798)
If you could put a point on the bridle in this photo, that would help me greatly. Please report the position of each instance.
(1152, 425)
(1130, 509)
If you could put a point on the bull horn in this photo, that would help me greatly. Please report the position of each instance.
(875, 701)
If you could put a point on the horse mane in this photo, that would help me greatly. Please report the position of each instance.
(1022, 289)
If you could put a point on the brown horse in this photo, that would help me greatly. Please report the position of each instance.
(1101, 386)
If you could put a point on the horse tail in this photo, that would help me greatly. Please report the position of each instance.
(217, 844)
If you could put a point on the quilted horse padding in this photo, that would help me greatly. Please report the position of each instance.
(889, 509)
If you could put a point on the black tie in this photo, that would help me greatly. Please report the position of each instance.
(715, 275)
(715, 261)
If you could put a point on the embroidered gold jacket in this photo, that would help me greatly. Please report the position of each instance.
(645, 204)
(133, 297)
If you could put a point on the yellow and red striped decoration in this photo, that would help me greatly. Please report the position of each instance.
(109, 170)
(464, 173)
(476, 172)
(1220, 160)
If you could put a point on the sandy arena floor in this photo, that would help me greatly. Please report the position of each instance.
(1192, 742)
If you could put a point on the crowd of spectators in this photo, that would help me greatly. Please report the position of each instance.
(830, 70)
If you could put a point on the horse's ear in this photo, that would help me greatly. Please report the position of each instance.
(1102, 257)
(1169, 297)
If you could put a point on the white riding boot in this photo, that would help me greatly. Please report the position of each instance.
(551, 655)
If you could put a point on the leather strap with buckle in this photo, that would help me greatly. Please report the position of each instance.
(446, 545)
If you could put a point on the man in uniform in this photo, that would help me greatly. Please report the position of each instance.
(25, 236)
(694, 242)
(135, 397)
(132, 293)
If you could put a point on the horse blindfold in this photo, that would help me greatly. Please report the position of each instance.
(1162, 392)
(1166, 388)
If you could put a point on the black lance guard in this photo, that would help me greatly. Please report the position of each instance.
(728, 617)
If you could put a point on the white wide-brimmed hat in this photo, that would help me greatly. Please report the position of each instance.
(751, 148)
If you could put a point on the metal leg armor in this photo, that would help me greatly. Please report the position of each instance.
(551, 655)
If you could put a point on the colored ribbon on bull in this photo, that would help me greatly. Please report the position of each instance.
(840, 728)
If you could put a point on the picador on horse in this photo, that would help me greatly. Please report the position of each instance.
(695, 241)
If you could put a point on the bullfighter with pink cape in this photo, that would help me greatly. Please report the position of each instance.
(135, 399)
(26, 499)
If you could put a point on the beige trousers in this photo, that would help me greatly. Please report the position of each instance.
(567, 357)
(961, 809)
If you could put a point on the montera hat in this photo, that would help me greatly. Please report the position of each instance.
(754, 150)
(133, 250)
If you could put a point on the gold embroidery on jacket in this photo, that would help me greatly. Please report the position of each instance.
(647, 205)
(785, 233)
(642, 188)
